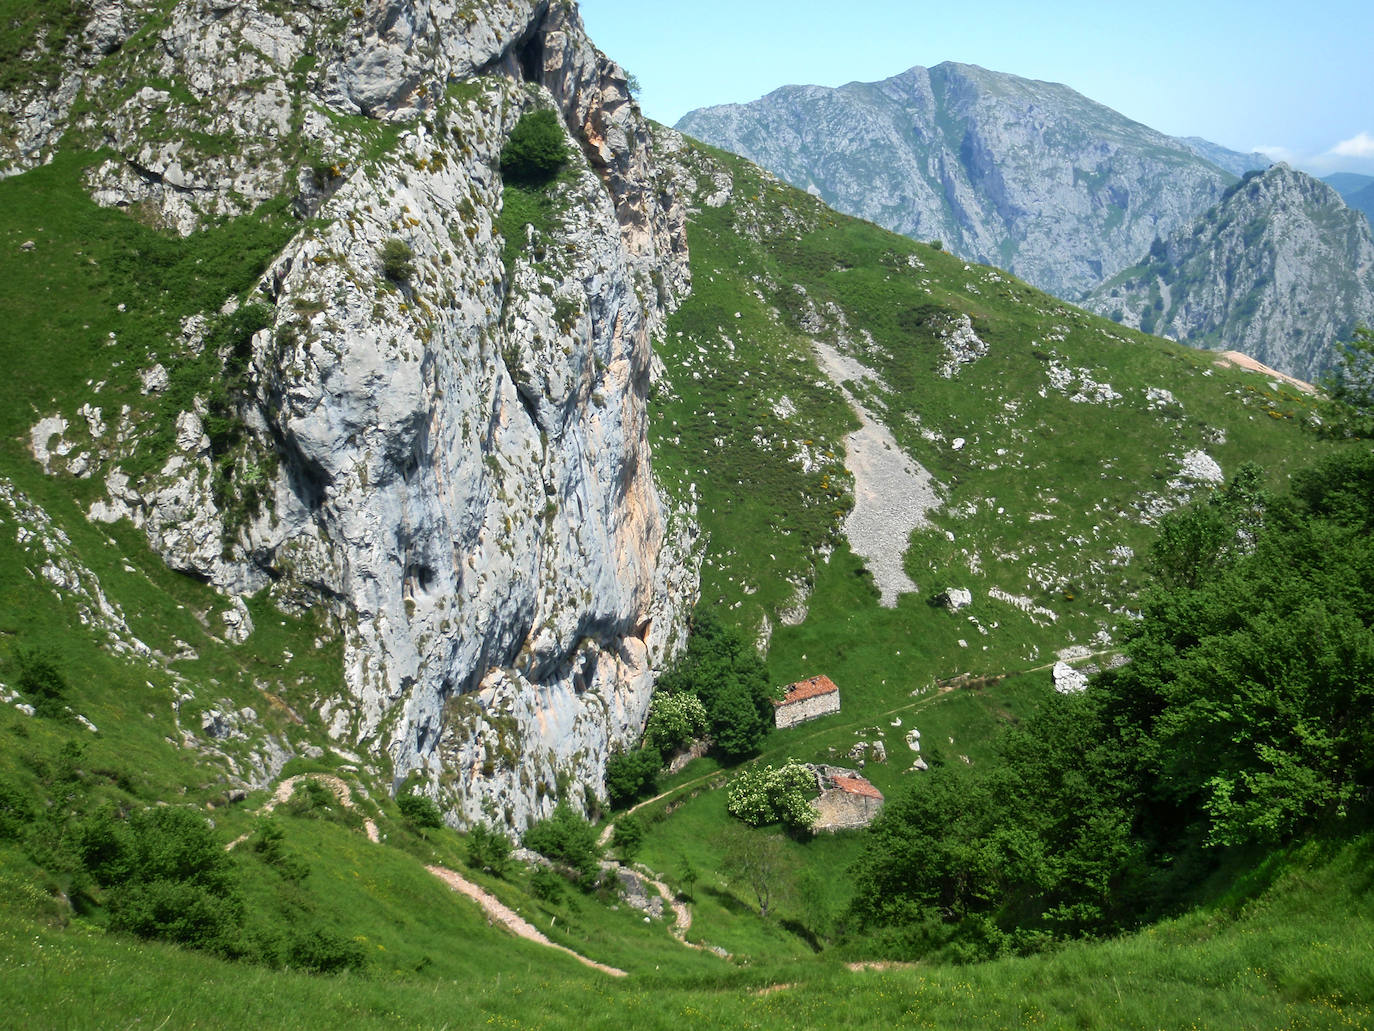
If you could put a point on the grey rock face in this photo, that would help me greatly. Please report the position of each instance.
(1281, 270)
(463, 472)
(1028, 176)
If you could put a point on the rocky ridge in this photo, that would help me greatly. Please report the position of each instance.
(1280, 269)
(453, 457)
(1024, 175)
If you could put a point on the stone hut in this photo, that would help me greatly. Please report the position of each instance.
(847, 801)
(806, 700)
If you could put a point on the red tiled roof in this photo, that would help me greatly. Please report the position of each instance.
(804, 689)
(857, 786)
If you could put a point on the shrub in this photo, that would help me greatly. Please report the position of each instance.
(16, 810)
(632, 775)
(546, 885)
(398, 261)
(420, 811)
(40, 682)
(321, 951)
(566, 838)
(675, 720)
(269, 844)
(488, 849)
(536, 151)
(311, 799)
(169, 879)
(760, 797)
(725, 673)
(628, 837)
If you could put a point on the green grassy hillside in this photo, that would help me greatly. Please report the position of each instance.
(1045, 501)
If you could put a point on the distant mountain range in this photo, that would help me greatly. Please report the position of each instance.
(1356, 190)
(1279, 269)
(1029, 176)
(1078, 200)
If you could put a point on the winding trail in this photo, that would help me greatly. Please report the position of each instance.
(498, 912)
(287, 788)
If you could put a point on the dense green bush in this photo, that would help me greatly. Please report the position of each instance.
(420, 811)
(628, 837)
(16, 810)
(632, 775)
(322, 951)
(729, 678)
(547, 885)
(398, 261)
(167, 877)
(1243, 721)
(40, 682)
(783, 795)
(536, 150)
(488, 849)
(566, 838)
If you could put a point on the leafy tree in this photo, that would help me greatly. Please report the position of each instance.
(762, 796)
(1243, 719)
(726, 674)
(632, 775)
(628, 837)
(759, 863)
(536, 150)
(675, 720)
(488, 849)
(687, 877)
(566, 838)
(737, 727)
(1350, 385)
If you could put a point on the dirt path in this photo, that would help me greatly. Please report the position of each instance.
(287, 788)
(498, 912)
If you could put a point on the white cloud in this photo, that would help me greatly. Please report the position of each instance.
(1353, 155)
(1361, 145)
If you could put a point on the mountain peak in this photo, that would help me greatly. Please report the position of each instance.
(1030, 176)
(1278, 269)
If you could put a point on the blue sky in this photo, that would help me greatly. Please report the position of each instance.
(1295, 80)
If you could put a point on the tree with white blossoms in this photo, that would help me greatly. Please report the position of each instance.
(759, 797)
(675, 720)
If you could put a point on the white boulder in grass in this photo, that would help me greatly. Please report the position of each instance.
(1068, 680)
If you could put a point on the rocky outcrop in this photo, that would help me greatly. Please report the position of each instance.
(1028, 176)
(1280, 270)
(452, 450)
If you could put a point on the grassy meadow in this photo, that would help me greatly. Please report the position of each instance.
(1042, 503)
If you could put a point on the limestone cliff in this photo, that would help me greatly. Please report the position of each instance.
(450, 451)
(1024, 175)
(1280, 270)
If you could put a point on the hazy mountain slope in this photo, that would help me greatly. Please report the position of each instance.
(1363, 200)
(1281, 269)
(1356, 190)
(1024, 175)
(1348, 183)
(1232, 161)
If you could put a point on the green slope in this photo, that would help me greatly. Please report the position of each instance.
(774, 526)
